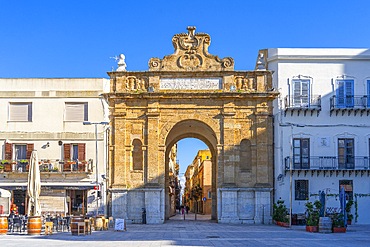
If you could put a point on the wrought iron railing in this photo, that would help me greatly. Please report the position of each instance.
(329, 163)
(302, 102)
(47, 165)
(350, 102)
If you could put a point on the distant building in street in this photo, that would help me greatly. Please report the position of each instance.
(47, 115)
(199, 174)
(174, 182)
(322, 127)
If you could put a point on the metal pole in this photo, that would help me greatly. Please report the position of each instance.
(96, 168)
(291, 177)
(196, 209)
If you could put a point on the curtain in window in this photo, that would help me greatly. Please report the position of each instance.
(74, 151)
(20, 152)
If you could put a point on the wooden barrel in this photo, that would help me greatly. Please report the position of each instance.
(325, 225)
(3, 224)
(74, 226)
(98, 223)
(34, 225)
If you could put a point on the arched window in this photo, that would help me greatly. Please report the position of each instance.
(245, 155)
(137, 155)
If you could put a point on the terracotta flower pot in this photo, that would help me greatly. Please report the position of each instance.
(339, 229)
(312, 229)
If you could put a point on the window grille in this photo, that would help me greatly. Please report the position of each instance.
(301, 190)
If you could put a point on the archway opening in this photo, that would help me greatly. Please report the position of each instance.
(191, 168)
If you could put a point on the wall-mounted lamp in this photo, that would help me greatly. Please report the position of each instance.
(46, 145)
(60, 143)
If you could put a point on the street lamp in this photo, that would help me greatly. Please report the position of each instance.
(96, 157)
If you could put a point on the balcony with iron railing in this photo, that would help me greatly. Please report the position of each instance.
(47, 165)
(349, 104)
(357, 164)
(302, 103)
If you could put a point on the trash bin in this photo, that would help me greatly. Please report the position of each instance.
(143, 216)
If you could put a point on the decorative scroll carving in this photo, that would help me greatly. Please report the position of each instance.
(132, 83)
(191, 54)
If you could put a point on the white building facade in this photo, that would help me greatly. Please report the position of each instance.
(47, 115)
(322, 127)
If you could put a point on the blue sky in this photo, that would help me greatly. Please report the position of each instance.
(77, 38)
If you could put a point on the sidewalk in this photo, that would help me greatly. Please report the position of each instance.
(203, 232)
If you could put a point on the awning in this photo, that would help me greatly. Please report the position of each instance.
(50, 186)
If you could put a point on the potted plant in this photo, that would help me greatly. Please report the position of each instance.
(1, 168)
(280, 214)
(313, 216)
(338, 223)
(7, 165)
(348, 211)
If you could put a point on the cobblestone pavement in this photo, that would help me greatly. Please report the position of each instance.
(203, 232)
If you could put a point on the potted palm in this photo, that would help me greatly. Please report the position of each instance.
(348, 211)
(313, 216)
(338, 223)
(280, 214)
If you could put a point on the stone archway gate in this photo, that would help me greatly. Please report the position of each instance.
(231, 111)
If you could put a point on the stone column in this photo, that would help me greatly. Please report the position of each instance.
(263, 157)
(152, 150)
(228, 146)
(120, 157)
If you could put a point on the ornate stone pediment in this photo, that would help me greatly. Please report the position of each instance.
(191, 54)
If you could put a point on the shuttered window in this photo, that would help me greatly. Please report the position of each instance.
(76, 111)
(20, 111)
(301, 92)
(75, 151)
(21, 151)
(8, 151)
(345, 98)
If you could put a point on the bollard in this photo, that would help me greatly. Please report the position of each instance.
(143, 216)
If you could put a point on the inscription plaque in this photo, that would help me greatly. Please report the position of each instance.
(191, 83)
